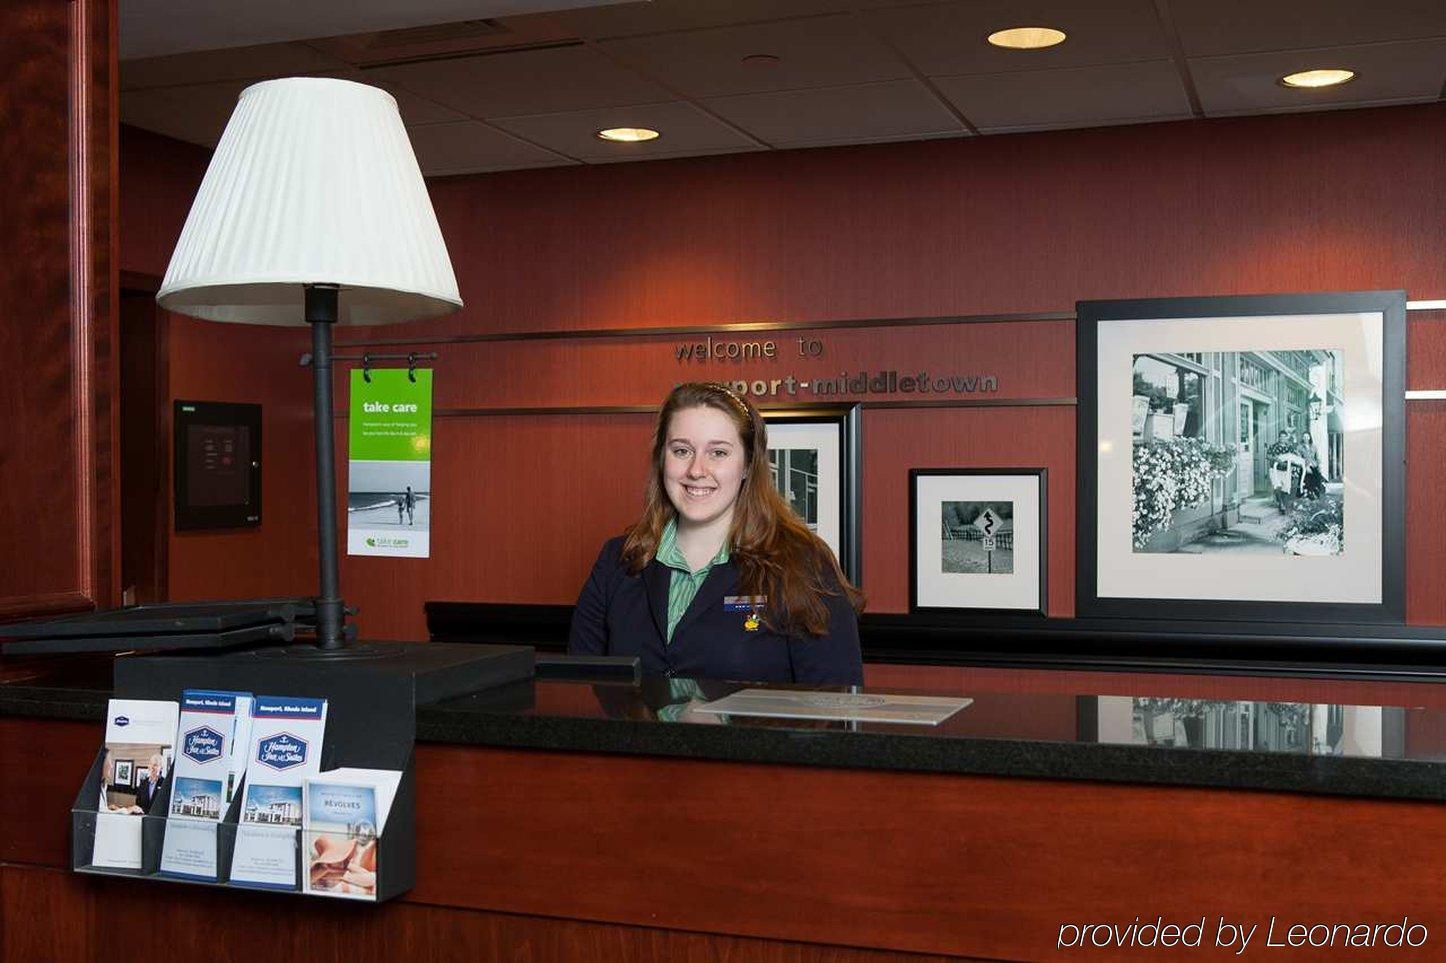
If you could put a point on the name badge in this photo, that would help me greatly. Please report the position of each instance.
(743, 603)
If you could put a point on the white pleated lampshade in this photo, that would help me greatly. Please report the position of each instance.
(314, 182)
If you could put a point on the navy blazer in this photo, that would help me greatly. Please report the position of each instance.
(622, 614)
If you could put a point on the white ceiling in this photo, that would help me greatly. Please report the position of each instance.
(530, 89)
(155, 28)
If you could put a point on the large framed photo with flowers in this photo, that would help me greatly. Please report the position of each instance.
(814, 457)
(1242, 458)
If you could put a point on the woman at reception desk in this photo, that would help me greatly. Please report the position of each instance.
(719, 578)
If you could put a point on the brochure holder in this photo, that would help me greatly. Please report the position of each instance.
(371, 724)
(393, 861)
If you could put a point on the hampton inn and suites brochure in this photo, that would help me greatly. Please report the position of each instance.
(286, 738)
(210, 759)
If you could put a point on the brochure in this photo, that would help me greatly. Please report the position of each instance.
(205, 774)
(205, 762)
(285, 750)
(345, 812)
(139, 736)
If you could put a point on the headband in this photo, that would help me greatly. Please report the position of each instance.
(732, 396)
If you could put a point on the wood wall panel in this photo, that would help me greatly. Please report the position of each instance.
(895, 441)
(1029, 359)
(50, 915)
(1011, 224)
(582, 478)
(1426, 462)
(159, 177)
(57, 288)
(527, 503)
(1033, 222)
(1425, 512)
(227, 362)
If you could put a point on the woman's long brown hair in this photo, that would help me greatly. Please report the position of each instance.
(777, 556)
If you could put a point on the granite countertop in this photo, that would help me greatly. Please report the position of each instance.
(1385, 740)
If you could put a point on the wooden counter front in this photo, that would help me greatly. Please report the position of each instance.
(566, 855)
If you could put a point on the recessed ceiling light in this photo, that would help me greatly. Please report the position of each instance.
(1027, 38)
(627, 135)
(1318, 78)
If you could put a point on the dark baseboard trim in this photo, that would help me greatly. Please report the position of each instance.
(1251, 648)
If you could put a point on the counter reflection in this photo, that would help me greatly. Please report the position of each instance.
(1315, 729)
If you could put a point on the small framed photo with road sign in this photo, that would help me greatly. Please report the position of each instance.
(977, 540)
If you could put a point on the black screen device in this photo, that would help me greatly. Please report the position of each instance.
(217, 465)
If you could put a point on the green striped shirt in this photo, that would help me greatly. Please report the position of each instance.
(685, 582)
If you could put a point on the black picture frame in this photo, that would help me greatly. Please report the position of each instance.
(945, 614)
(1391, 307)
(846, 419)
(201, 423)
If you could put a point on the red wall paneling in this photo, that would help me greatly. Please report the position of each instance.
(1330, 201)
(1027, 359)
(230, 362)
(159, 177)
(1026, 223)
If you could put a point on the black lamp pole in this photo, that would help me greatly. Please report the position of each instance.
(321, 311)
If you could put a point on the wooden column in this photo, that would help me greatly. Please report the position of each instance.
(57, 306)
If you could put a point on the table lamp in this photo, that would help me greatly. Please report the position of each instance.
(313, 212)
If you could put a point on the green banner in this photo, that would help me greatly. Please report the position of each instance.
(389, 475)
(391, 416)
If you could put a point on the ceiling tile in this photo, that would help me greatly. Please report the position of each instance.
(812, 52)
(669, 155)
(196, 113)
(236, 63)
(1385, 73)
(1071, 97)
(950, 39)
(894, 109)
(685, 130)
(1213, 27)
(865, 141)
(414, 110)
(658, 16)
(523, 82)
(155, 27)
(473, 147)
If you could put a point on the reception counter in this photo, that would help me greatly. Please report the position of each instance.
(574, 819)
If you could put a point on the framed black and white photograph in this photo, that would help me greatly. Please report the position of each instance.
(977, 540)
(122, 774)
(814, 457)
(1242, 457)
